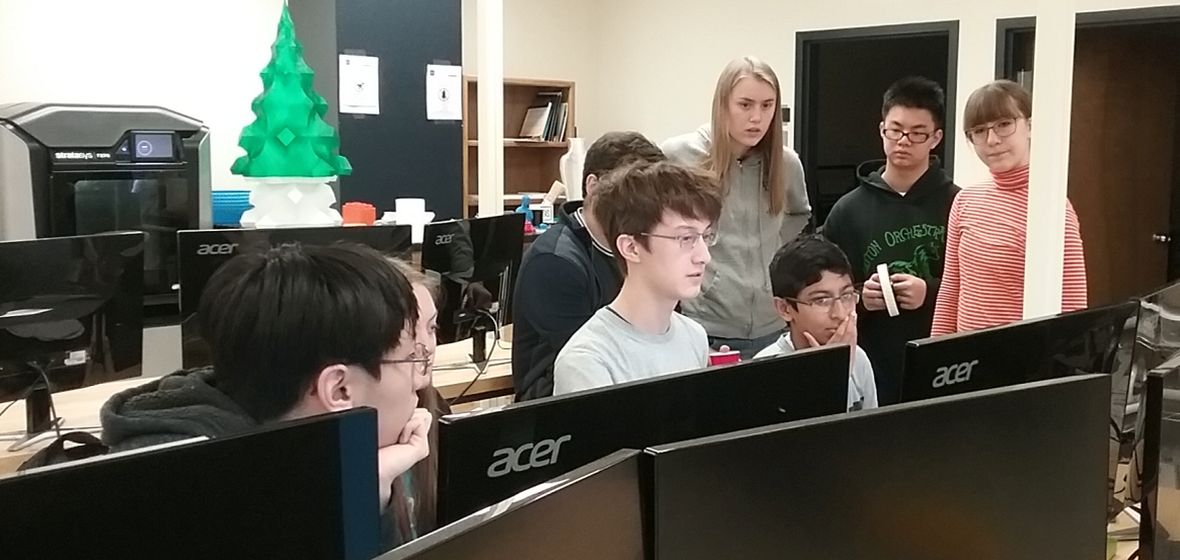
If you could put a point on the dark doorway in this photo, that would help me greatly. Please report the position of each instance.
(840, 78)
(1124, 161)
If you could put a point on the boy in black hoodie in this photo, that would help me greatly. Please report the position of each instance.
(295, 332)
(897, 216)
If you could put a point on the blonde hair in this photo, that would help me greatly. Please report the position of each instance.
(722, 152)
(427, 279)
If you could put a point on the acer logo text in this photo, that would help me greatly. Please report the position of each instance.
(957, 373)
(525, 457)
(216, 249)
(444, 239)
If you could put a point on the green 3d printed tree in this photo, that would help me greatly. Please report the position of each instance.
(290, 150)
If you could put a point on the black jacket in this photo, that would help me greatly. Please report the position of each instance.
(563, 280)
(872, 224)
(183, 405)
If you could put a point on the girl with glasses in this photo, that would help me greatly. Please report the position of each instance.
(983, 278)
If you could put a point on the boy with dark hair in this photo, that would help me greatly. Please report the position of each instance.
(813, 292)
(569, 272)
(897, 217)
(659, 218)
(294, 332)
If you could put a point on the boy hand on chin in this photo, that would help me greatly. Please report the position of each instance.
(413, 445)
(845, 334)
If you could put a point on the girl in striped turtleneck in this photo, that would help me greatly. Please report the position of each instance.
(983, 279)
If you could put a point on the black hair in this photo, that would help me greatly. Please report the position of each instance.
(802, 262)
(616, 149)
(275, 319)
(916, 92)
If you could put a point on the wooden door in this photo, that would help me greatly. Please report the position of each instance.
(1123, 147)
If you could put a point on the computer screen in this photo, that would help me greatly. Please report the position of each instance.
(1086, 341)
(477, 260)
(1006, 474)
(301, 489)
(71, 315)
(1157, 338)
(594, 512)
(202, 252)
(487, 456)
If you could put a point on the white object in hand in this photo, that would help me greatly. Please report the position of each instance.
(887, 290)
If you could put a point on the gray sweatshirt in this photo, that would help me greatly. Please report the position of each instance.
(735, 300)
(608, 350)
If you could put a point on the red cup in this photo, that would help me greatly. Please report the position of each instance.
(724, 358)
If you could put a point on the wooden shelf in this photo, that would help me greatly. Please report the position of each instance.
(529, 165)
(522, 143)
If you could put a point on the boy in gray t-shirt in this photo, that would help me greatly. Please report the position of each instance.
(660, 219)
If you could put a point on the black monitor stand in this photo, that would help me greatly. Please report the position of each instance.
(40, 414)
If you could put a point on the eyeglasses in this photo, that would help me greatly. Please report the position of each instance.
(689, 240)
(896, 135)
(1004, 128)
(826, 303)
(419, 360)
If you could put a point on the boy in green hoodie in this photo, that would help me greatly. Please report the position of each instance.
(897, 217)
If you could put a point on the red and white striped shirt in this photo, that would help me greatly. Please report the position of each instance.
(983, 277)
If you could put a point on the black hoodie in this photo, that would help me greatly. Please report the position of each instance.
(183, 405)
(873, 224)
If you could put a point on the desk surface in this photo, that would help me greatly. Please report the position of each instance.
(454, 376)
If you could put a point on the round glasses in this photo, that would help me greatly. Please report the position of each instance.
(418, 361)
(688, 240)
(1004, 128)
(826, 303)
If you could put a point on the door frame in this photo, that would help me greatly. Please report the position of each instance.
(805, 43)
(1007, 28)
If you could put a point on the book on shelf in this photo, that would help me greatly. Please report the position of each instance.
(545, 120)
(563, 120)
(535, 121)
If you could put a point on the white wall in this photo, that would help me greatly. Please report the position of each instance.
(658, 59)
(199, 58)
(550, 39)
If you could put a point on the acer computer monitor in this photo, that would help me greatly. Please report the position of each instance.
(1015, 473)
(477, 261)
(71, 315)
(594, 512)
(487, 456)
(1086, 341)
(202, 252)
(300, 489)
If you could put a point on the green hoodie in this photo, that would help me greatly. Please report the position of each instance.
(735, 300)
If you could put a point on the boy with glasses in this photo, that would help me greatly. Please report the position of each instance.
(296, 332)
(569, 272)
(659, 219)
(814, 294)
(897, 217)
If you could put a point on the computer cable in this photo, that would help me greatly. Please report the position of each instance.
(479, 371)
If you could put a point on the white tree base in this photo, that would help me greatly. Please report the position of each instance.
(292, 202)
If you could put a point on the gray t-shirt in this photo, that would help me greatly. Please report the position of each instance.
(862, 384)
(607, 350)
